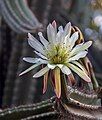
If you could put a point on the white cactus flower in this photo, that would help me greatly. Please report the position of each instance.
(58, 53)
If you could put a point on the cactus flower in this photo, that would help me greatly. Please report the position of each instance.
(58, 53)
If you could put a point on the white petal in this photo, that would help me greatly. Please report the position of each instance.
(67, 29)
(29, 69)
(31, 60)
(59, 37)
(34, 43)
(43, 40)
(44, 61)
(79, 65)
(41, 72)
(51, 33)
(59, 65)
(66, 41)
(51, 66)
(39, 54)
(80, 47)
(80, 72)
(73, 39)
(66, 70)
(78, 56)
(35, 60)
(60, 28)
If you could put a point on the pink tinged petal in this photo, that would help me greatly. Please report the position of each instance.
(41, 72)
(29, 69)
(66, 70)
(80, 72)
(34, 43)
(40, 55)
(43, 40)
(71, 79)
(57, 82)
(78, 56)
(54, 24)
(45, 82)
(80, 47)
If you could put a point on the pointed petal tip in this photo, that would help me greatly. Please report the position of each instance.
(44, 91)
(54, 24)
(54, 21)
(24, 58)
(34, 76)
(58, 95)
(29, 34)
(69, 23)
(39, 33)
(88, 80)
(76, 33)
(90, 43)
(20, 74)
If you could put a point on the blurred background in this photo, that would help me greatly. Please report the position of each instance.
(17, 18)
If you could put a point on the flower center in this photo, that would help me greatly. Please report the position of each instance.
(57, 54)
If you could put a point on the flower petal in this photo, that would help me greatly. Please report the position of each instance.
(40, 55)
(67, 29)
(43, 40)
(51, 66)
(78, 56)
(34, 43)
(79, 65)
(80, 72)
(41, 72)
(59, 65)
(73, 39)
(80, 47)
(29, 69)
(71, 79)
(59, 37)
(65, 70)
(31, 60)
(57, 82)
(51, 33)
(35, 60)
(60, 28)
(54, 24)
(45, 82)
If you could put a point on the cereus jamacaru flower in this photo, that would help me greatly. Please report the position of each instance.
(58, 53)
